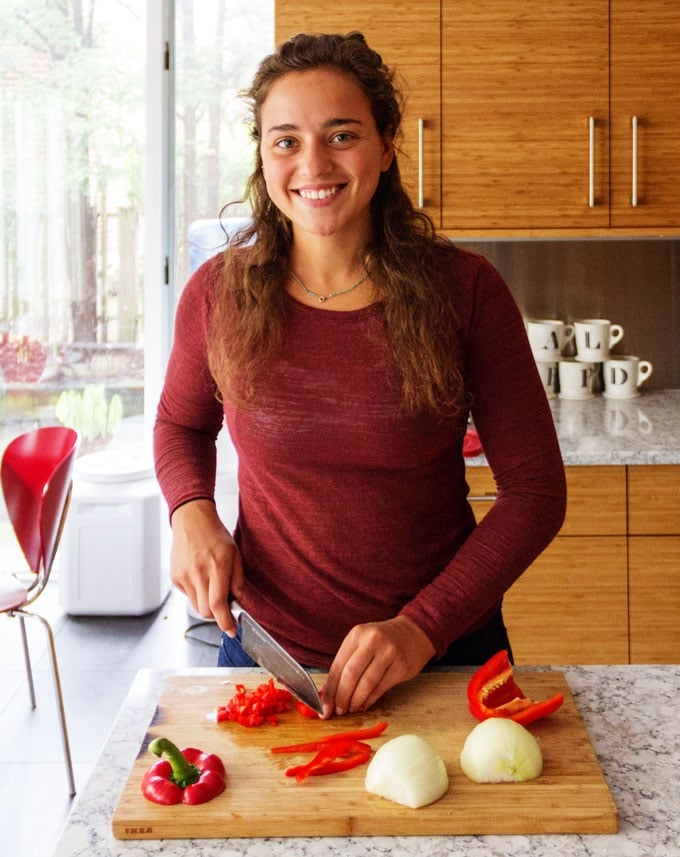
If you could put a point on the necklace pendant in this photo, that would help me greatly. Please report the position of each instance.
(322, 298)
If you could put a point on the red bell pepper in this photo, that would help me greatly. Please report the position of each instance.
(185, 776)
(492, 692)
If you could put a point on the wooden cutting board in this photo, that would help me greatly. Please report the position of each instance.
(571, 796)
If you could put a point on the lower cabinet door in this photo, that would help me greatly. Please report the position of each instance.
(654, 599)
(571, 605)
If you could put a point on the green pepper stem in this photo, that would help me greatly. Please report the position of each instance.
(183, 772)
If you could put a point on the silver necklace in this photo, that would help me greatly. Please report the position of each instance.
(323, 298)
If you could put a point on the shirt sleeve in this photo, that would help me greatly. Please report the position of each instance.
(515, 424)
(189, 416)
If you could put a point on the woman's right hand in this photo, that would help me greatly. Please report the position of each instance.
(205, 563)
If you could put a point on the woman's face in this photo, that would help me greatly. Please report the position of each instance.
(321, 152)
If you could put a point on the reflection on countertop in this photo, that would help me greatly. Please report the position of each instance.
(599, 430)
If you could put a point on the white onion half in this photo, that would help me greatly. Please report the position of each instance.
(407, 770)
(499, 750)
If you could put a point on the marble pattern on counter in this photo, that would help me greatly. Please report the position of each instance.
(631, 713)
(642, 430)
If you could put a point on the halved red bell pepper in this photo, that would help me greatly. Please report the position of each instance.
(184, 776)
(493, 692)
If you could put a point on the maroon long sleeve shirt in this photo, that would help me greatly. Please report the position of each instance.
(350, 511)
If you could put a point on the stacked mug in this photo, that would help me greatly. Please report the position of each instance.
(578, 377)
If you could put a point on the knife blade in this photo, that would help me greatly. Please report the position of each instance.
(271, 656)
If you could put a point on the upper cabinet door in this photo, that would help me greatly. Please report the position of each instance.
(406, 34)
(525, 111)
(645, 92)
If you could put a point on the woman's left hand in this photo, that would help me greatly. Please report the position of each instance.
(373, 658)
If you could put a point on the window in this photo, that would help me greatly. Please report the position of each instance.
(120, 126)
(71, 182)
(82, 128)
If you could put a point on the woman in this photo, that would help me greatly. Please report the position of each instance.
(347, 345)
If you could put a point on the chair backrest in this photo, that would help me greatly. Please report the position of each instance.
(36, 481)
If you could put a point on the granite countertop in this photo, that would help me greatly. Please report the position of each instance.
(643, 430)
(631, 714)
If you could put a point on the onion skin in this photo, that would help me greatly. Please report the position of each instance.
(409, 771)
(499, 750)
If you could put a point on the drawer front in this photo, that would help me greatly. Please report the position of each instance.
(654, 580)
(654, 500)
(571, 605)
(596, 498)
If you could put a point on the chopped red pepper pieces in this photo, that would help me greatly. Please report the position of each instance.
(185, 776)
(493, 692)
(256, 707)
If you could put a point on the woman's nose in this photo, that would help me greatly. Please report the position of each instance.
(316, 160)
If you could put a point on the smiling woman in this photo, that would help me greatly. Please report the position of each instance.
(346, 346)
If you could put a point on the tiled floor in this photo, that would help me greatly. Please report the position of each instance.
(98, 658)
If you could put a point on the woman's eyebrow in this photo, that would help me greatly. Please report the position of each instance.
(329, 123)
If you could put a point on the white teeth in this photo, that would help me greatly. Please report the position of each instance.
(324, 193)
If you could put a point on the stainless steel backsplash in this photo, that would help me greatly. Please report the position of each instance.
(635, 283)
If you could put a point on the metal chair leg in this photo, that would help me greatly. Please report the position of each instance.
(27, 659)
(59, 699)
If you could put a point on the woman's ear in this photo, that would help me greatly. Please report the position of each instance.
(388, 153)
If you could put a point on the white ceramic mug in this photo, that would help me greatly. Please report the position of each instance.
(623, 374)
(547, 337)
(576, 378)
(594, 337)
(548, 373)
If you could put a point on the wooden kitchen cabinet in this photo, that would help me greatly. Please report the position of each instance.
(519, 83)
(571, 605)
(654, 563)
(406, 34)
(644, 79)
(525, 102)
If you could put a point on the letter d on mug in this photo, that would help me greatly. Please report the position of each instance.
(623, 375)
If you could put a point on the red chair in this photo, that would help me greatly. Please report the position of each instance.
(36, 481)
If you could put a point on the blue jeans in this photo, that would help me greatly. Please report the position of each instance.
(231, 653)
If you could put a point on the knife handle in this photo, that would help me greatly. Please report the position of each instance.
(236, 610)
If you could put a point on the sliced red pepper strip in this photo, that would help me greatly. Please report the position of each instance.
(351, 735)
(493, 692)
(184, 776)
(305, 709)
(332, 758)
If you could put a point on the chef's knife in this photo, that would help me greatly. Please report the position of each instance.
(264, 649)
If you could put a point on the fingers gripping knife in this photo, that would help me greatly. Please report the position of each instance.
(268, 654)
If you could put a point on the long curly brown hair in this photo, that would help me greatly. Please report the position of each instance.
(250, 306)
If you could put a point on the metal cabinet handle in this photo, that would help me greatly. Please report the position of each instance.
(421, 196)
(634, 185)
(591, 161)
